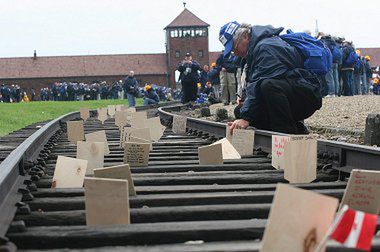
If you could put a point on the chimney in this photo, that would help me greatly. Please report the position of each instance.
(35, 55)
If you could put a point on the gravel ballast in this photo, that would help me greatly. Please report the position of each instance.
(340, 118)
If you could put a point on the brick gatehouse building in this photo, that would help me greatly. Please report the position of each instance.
(186, 33)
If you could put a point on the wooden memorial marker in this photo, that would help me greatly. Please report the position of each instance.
(84, 113)
(124, 135)
(298, 220)
(229, 151)
(99, 136)
(179, 124)
(102, 115)
(156, 129)
(138, 119)
(75, 131)
(243, 141)
(120, 119)
(136, 154)
(363, 191)
(106, 201)
(69, 172)
(143, 133)
(300, 161)
(93, 152)
(210, 155)
(119, 107)
(228, 133)
(131, 110)
(140, 140)
(117, 172)
(278, 145)
(111, 109)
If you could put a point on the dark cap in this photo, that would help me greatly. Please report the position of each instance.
(188, 54)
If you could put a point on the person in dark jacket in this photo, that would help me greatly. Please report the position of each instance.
(204, 76)
(280, 93)
(131, 88)
(214, 79)
(151, 97)
(189, 77)
(368, 71)
(227, 73)
(347, 69)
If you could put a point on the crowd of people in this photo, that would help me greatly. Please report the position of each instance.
(350, 74)
(277, 80)
(128, 88)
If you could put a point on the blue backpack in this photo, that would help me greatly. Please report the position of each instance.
(317, 57)
(352, 59)
(336, 53)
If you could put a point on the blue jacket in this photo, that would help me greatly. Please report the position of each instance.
(130, 85)
(347, 49)
(213, 77)
(270, 57)
(229, 63)
(204, 78)
(151, 94)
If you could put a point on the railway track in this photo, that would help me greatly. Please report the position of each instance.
(180, 205)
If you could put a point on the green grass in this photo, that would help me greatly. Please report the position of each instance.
(14, 116)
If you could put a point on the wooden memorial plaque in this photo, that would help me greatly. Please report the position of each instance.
(119, 108)
(298, 220)
(363, 191)
(143, 133)
(140, 140)
(75, 131)
(106, 201)
(210, 155)
(136, 154)
(278, 145)
(243, 141)
(69, 172)
(131, 110)
(84, 113)
(124, 135)
(179, 124)
(117, 172)
(138, 120)
(99, 136)
(102, 115)
(120, 119)
(229, 151)
(156, 129)
(93, 152)
(228, 133)
(111, 109)
(300, 161)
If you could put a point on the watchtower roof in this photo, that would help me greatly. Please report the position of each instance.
(187, 19)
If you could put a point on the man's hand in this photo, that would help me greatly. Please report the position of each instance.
(223, 69)
(239, 101)
(238, 124)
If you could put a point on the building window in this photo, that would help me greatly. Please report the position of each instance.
(187, 33)
(177, 54)
(174, 33)
(201, 32)
(200, 53)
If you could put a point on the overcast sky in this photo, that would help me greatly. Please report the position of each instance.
(82, 27)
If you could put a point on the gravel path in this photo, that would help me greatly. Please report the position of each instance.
(340, 118)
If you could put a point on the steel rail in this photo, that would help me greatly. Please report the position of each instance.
(13, 170)
(343, 156)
